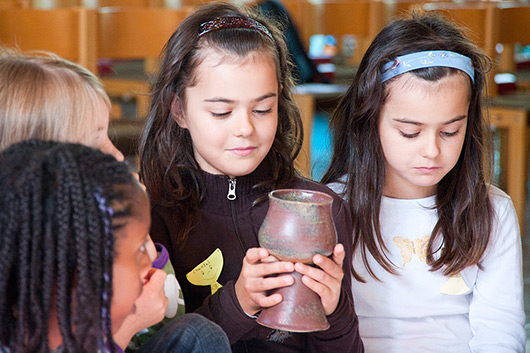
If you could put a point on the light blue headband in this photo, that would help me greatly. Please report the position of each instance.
(430, 58)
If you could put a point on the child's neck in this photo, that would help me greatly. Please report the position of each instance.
(399, 192)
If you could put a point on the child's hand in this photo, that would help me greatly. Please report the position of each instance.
(252, 286)
(326, 280)
(150, 308)
(152, 303)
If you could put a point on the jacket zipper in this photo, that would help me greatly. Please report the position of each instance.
(232, 197)
(231, 189)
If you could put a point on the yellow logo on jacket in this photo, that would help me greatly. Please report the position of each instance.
(207, 272)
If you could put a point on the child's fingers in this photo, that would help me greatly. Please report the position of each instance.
(254, 280)
(318, 281)
(327, 287)
(326, 279)
(329, 273)
(317, 287)
(273, 268)
(333, 265)
(314, 272)
(338, 254)
(256, 254)
(269, 258)
(152, 303)
(267, 301)
(156, 286)
(251, 286)
(149, 274)
(269, 283)
(259, 269)
(155, 278)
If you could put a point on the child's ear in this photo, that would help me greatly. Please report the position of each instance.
(178, 113)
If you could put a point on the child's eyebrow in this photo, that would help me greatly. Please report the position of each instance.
(228, 101)
(220, 100)
(265, 96)
(458, 118)
(449, 122)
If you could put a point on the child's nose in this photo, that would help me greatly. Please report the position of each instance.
(244, 125)
(430, 147)
(108, 147)
(145, 265)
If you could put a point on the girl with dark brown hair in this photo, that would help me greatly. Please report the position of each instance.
(437, 252)
(222, 132)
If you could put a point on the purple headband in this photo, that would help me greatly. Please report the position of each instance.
(233, 22)
(429, 58)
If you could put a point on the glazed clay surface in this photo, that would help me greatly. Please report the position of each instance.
(298, 225)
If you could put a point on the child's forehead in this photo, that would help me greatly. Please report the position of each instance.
(214, 56)
(215, 61)
(139, 200)
(133, 202)
(410, 81)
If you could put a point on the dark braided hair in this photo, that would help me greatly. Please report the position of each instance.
(60, 206)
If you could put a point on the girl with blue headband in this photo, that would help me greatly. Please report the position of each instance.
(437, 250)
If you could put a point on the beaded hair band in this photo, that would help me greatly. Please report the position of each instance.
(233, 22)
(430, 58)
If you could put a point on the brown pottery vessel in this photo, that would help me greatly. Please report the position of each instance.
(298, 225)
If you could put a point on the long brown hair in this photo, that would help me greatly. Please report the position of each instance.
(464, 209)
(167, 165)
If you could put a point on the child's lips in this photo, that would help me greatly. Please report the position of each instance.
(243, 151)
(427, 169)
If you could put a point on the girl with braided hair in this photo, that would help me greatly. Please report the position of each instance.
(74, 226)
(73, 259)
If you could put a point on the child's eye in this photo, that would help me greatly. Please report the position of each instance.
(409, 136)
(142, 248)
(263, 112)
(450, 134)
(220, 115)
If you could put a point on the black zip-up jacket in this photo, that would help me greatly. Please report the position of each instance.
(232, 226)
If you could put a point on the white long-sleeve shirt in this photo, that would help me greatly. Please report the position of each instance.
(418, 310)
